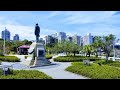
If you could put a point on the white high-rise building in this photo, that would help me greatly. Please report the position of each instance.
(77, 39)
(88, 39)
(61, 37)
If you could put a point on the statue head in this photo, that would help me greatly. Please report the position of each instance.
(36, 24)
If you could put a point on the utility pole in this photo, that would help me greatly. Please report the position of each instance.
(113, 51)
(4, 40)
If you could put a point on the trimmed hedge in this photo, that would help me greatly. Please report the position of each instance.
(26, 74)
(9, 58)
(95, 71)
(74, 59)
(48, 56)
(110, 63)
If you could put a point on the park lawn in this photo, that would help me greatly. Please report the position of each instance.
(110, 63)
(25, 74)
(95, 71)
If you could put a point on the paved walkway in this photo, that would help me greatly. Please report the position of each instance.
(56, 71)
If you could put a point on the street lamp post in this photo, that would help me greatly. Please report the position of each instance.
(114, 52)
(4, 41)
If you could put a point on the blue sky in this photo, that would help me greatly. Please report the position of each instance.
(71, 22)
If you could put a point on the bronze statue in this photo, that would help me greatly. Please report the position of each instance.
(37, 32)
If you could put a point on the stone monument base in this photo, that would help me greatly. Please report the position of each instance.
(37, 58)
(41, 62)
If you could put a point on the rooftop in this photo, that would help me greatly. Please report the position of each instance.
(24, 46)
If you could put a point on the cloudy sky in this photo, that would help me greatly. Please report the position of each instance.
(71, 22)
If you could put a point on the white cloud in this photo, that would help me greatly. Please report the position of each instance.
(71, 22)
(83, 17)
(25, 32)
(53, 13)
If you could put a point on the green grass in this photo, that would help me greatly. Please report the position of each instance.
(74, 58)
(110, 63)
(26, 74)
(9, 58)
(95, 71)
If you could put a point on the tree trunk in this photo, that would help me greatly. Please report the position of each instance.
(66, 52)
(96, 54)
(74, 53)
(107, 55)
(89, 54)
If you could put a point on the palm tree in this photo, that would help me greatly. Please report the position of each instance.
(88, 49)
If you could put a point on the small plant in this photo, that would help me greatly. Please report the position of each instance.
(26, 57)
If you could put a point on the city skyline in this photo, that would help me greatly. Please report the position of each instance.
(70, 22)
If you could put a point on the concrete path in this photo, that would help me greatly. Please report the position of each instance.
(56, 71)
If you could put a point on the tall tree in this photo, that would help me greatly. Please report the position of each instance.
(74, 48)
(107, 44)
(97, 44)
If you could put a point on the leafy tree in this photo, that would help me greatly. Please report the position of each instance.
(88, 49)
(97, 44)
(107, 44)
(74, 48)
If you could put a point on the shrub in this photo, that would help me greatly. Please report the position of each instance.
(95, 71)
(48, 56)
(1, 71)
(12, 53)
(74, 59)
(9, 58)
(26, 57)
(26, 74)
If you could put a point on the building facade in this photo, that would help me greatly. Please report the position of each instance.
(88, 39)
(77, 39)
(6, 34)
(49, 40)
(61, 37)
(69, 38)
(16, 37)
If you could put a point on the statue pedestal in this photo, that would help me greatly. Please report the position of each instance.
(37, 58)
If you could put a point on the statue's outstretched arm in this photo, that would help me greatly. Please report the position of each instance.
(31, 52)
